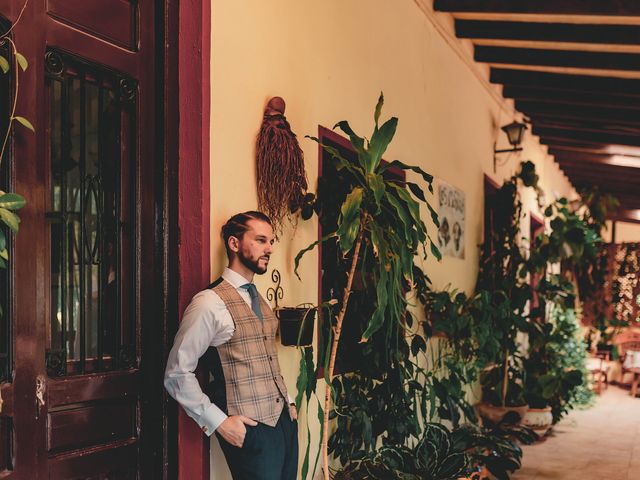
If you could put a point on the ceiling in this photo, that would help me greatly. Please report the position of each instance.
(572, 68)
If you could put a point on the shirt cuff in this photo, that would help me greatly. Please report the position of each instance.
(290, 400)
(211, 419)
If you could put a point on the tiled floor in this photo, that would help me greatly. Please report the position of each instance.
(602, 443)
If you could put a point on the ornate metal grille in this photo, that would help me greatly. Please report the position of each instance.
(92, 157)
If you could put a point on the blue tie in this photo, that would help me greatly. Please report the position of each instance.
(255, 301)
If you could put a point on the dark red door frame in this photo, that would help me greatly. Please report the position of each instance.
(194, 37)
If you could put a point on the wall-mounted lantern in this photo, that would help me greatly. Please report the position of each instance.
(515, 132)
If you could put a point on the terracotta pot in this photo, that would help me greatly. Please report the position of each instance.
(294, 319)
(538, 419)
(496, 414)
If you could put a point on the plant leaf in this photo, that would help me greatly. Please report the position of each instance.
(382, 297)
(301, 253)
(24, 122)
(434, 215)
(417, 191)
(342, 162)
(12, 201)
(4, 64)
(380, 141)
(349, 221)
(356, 141)
(22, 61)
(10, 219)
(376, 115)
(376, 184)
(398, 164)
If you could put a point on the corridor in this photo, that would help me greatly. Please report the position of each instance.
(601, 443)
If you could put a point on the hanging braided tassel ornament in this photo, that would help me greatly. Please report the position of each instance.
(282, 180)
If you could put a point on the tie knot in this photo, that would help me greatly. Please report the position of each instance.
(251, 288)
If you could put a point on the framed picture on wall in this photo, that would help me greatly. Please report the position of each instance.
(451, 213)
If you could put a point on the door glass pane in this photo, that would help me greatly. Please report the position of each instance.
(90, 204)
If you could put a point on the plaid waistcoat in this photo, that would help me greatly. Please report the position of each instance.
(254, 386)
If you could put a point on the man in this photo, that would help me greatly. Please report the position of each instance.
(233, 328)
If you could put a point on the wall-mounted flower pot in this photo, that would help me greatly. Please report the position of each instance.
(495, 414)
(296, 322)
(538, 419)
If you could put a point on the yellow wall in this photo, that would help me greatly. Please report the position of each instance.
(626, 232)
(329, 60)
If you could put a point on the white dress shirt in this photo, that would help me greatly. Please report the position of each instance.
(206, 323)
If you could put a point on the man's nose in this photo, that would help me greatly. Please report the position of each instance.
(268, 249)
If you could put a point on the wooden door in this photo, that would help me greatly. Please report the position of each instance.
(83, 278)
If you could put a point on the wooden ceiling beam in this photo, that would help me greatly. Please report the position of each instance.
(553, 33)
(577, 112)
(592, 137)
(625, 215)
(595, 155)
(541, 45)
(592, 158)
(551, 134)
(565, 59)
(607, 171)
(607, 184)
(575, 172)
(589, 147)
(573, 83)
(589, 99)
(544, 7)
(542, 121)
(627, 201)
(545, 18)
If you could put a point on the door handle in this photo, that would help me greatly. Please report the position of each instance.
(40, 389)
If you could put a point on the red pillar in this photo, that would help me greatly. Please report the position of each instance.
(193, 196)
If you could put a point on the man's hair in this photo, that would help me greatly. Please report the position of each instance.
(236, 226)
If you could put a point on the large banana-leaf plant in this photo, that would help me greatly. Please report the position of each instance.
(380, 220)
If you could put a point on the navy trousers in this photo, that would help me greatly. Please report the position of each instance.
(268, 453)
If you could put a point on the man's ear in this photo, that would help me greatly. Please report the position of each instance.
(234, 244)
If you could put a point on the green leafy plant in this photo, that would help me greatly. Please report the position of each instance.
(495, 447)
(556, 373)
(502, 292)
(379, 228)
(436, 456)
(573, 243)
(446, 454)
(11, 62)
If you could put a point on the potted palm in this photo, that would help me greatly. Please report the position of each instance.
(379, 231)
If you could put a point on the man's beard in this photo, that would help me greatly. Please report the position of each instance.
(250, 264)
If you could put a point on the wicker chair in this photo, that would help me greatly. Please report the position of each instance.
(629, 341)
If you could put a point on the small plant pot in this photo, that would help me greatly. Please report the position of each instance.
(495, 414)
(296, 322)
(538, 419)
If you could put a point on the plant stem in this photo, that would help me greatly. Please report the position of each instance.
(505, 379)
(15, 96)
(337, 330)
(6, 34)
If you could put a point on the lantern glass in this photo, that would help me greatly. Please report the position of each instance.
(514, 132)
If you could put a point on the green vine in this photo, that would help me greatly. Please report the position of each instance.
(10, 203)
